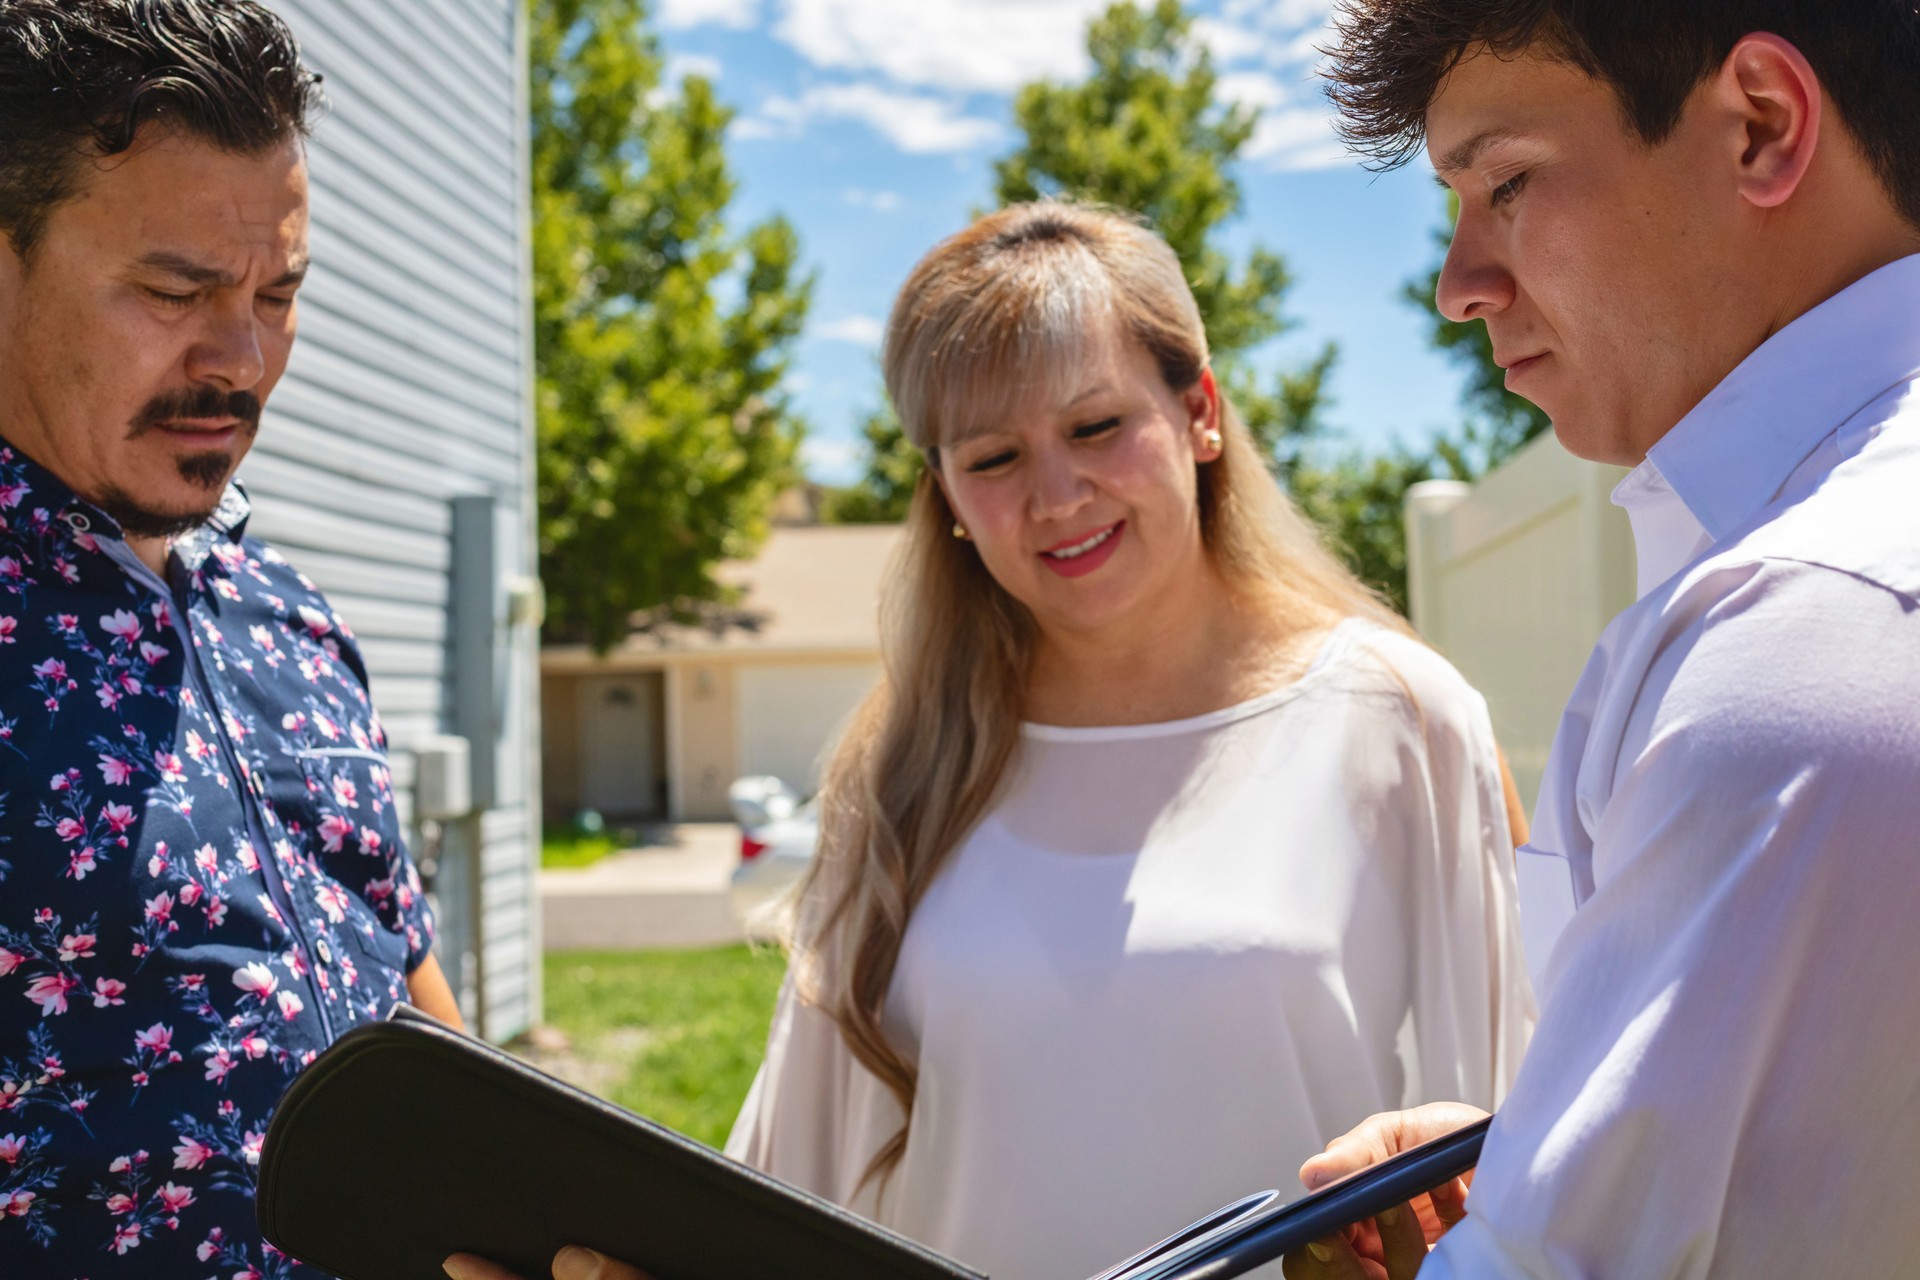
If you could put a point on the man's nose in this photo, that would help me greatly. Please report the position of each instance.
(1474, 281)
(228, 352)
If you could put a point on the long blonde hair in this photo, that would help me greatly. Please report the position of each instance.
(1006, 309)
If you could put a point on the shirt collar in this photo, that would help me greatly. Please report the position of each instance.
(1731, 455)
(49, 493)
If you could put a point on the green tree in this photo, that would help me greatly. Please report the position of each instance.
(1144, 132)
(663, 432)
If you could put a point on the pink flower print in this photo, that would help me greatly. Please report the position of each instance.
(171, 770)
(122, 624)
(191, 1154)
(328, 729)
(68, 621)
(334, 830)
(174, 1198)
(152, 652)
(333, 901)
(294, 721)
(254, 1045)
(370, 841)
(81, 862)
(108, 695)
(10, 568)
(218, 1065)
(10, 1148)
(108, 991)
(290, 1005)
(190, 894)
(295, 961)
(256, 979)
(317, 623)
(197, 746)
(207, 858)
(235, 729)
(249, 857)
(193, 981)
(7, 626)
(70, 829)
(9, 961)
(50, 993)
(118, 817)
(345, 794)
(12, 495)
(17, 1204)
(52, 669)
(250, 1146)
(216, 913)
(157, 1038)
(160, 907)
(127, 1237)
(273, 912)
(77, 946)
(13, 1093)
(115, 771)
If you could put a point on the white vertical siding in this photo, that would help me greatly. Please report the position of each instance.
(410, 386)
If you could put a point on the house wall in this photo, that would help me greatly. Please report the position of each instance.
(409, 387)
(703, 755)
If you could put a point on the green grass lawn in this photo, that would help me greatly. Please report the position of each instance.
(567, 847)
(673, 1035)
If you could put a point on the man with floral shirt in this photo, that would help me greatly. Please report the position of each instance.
(202, 876)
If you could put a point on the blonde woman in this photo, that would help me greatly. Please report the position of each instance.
(1163, 854)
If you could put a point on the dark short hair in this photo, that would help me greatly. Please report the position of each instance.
(80, 78)
(1391, 56)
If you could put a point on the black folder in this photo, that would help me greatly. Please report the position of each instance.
(407, 1141)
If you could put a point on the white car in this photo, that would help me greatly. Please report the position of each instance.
(778, 833)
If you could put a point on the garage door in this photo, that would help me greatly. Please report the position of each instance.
(791, 715)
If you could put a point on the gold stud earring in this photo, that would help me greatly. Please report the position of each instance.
(960, 532)
(1214, 441)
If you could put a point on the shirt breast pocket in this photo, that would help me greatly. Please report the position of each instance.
(340, 815)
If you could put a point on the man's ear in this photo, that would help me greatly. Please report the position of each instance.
(1774, 91)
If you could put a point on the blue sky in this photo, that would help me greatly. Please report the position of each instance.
(873, 125)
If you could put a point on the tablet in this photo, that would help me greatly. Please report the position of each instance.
(1254, 1231)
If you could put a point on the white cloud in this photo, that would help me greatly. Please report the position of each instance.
(682, 65)
(990, 46)
(1232, 44)
(739, 14)
(912, 122)
(861, 330)
(878, 201)
(1296, 123)
(831, 461)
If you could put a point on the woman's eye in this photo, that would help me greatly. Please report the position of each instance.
(1508, 189)
(991, 461)
(1093, 429)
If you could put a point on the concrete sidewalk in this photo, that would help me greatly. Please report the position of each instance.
(670, 894)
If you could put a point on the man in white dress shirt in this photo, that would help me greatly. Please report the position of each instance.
(1692, 229)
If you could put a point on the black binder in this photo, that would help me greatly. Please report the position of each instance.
(407, 1141)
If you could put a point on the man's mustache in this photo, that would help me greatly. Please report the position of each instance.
(201, 402)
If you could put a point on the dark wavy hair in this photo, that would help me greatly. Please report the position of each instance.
(80, 78)
(1390, 58)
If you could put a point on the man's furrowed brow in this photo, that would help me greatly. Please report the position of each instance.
(201, 276)
(1458, 159)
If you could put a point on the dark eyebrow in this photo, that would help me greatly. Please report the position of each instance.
(194, 273)
(1463, 156)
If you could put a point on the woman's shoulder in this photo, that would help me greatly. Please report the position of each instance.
(1404, 671)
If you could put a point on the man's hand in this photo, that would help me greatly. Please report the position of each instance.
(571, 1263)
(1393, 1245)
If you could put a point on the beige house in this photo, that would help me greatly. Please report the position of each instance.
(660, 726)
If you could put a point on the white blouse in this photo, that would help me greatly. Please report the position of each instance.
(1171, 964)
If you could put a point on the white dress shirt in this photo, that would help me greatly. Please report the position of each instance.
(1726, 1077)
(1172, 963)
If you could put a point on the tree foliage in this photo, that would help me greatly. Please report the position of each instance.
(661, 337)
(1144, 132)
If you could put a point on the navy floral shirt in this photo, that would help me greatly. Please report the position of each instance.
(202, 882)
